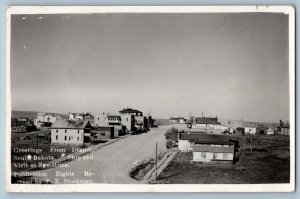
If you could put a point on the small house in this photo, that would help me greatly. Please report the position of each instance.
(270, 131)
(250, 129)
(19, 129)
(102, 133)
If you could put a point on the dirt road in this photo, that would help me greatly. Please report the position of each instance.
(112, 163)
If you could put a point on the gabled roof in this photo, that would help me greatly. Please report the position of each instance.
(206, 120)
(71, 124)
(200, 138)
(213, 149)
(129, 110)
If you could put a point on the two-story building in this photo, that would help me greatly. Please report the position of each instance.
(71, 132)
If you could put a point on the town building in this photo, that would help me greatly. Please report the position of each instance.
(128, 121)
(180, 120)
(132, 119)
(250, 129)
(71, 132)
(102, 133)
(285, 129)
(75, 116)
(270, 131)
(130, 111)
(206, 148)
(19, 129)
(210, 124)
(44, 120)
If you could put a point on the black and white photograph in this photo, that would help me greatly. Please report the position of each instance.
(150, 99)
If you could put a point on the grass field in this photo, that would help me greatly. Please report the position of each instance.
(269, 162)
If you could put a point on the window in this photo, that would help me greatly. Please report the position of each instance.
(215, 155)
(56, 137)
(65, 131)
(69, 138)
(65, 137)
(98, 118)
(203, 155)
(77, 138)
(78, 131)
(225, 156)
(127, 119)
(56, 130)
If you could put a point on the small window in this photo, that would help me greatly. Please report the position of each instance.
(65, 131)
(56, 130)
(77, 138)
(215, 155)
(56, 137)
(65, 137)
(78, 131)
(203, 155)
(98, 118)
(127, 119)
(225, 156)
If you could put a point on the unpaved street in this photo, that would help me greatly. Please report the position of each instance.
(111, 163)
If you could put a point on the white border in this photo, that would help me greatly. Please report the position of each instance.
(288, 187)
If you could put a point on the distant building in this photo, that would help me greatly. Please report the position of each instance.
(71, 132)
(102, 133)
(75, 116)
(44, 120)
(132, 119)
(130, 111)
(128, 121)
(19, 129)
(285, 129)
(210, 124)
(207, 147)
(270, 131)
(100, 120)
(113, 119)
(250, 129)
(180, 120)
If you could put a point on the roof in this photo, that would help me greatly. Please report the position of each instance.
(71, 124)
(114, 116)
(129, 110)
(200, 138)
(206, 120)
(213, 149)
(177, 118)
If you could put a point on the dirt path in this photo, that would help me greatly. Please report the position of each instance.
(112, 163)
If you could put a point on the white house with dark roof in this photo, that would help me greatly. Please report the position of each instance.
(71, 132)
(207, 147)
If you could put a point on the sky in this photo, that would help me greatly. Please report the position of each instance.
(230, 65)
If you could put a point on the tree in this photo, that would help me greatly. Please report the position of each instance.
(172, 134)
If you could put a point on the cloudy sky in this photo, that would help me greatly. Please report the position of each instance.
(226, 65)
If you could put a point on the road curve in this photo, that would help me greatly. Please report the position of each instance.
(111, 163)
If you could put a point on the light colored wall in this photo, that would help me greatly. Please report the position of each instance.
(72, 136)
(100, 120)
(250, 130)
(197, 156)
(184, 145)
(126, 120)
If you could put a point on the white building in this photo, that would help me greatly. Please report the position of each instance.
(250, 130)
(70, 132)
(44, 119)
(270, 131)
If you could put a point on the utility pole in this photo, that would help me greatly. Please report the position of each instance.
(156, 161)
